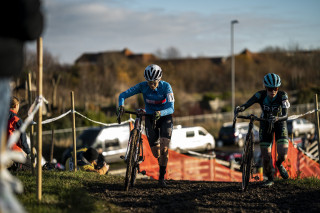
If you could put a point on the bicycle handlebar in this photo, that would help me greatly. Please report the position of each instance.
(253, 117)
(249, 117)
(139, 112)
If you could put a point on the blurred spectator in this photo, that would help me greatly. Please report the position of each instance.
(14, 123)
(87, 161)
(20, 21)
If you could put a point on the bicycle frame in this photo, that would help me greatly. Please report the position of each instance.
(137, 126)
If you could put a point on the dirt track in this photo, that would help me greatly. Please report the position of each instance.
(196, 196)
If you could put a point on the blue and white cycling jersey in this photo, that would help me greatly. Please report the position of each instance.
(161, 99)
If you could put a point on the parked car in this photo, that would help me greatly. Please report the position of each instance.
(112, 140)
(300, 126)
(229, 136)
(191, 138)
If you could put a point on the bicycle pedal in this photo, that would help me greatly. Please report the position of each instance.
(143, 172)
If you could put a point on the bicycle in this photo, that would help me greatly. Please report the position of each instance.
(247, 161)
(134, 154)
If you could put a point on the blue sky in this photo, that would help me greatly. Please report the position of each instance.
(194, 27)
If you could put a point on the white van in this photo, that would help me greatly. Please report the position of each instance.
(191, 138)
(113, 141)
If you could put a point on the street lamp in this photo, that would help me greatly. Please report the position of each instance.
(232, 66)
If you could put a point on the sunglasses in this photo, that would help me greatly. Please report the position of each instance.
(270, 89)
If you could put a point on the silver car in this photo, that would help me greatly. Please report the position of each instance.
(300, 126)
(237, 136)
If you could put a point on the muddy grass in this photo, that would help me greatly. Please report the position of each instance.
(198, 196)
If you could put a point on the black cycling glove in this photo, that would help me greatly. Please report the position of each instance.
(120, 110)
(239, 109)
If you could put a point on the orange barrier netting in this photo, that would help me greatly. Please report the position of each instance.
(183, 167)
(298, 164)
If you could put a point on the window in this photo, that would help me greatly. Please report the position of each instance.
(201, 133)
(306, 121)
(190, 134)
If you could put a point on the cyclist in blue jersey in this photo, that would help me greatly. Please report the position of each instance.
(274, 105)
(159, 102)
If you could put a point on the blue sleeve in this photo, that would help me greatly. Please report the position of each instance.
(128, 93)
(169, 106)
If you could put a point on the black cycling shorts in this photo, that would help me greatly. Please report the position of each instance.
(280, 132)
(163, 129)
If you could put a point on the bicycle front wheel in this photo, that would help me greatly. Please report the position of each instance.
(247, 163)
(136, 159)
(130, 158)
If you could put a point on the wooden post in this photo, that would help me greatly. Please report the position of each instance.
(317, 121)
(74, 133)
(32, 145)
(52, 145)
(3, 147)
(39, 125)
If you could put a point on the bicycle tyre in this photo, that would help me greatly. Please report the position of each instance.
(130, 158)
(247, 163)
(135, 166)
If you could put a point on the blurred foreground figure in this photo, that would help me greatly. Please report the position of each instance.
(9, 184)
(20, 21)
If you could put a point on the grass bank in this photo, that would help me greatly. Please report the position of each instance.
(67, 192)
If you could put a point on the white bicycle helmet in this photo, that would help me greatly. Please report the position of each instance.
(153, 72)
(271, 80)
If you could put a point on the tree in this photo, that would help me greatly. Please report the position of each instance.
(172, 52)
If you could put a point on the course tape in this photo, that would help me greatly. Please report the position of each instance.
(104, 124)
(56, 118)
(292, 117)
(78, 113)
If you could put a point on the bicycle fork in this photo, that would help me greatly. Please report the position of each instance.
(140, 157)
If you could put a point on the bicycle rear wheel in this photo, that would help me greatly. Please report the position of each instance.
(247, 163)
(130, 158)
